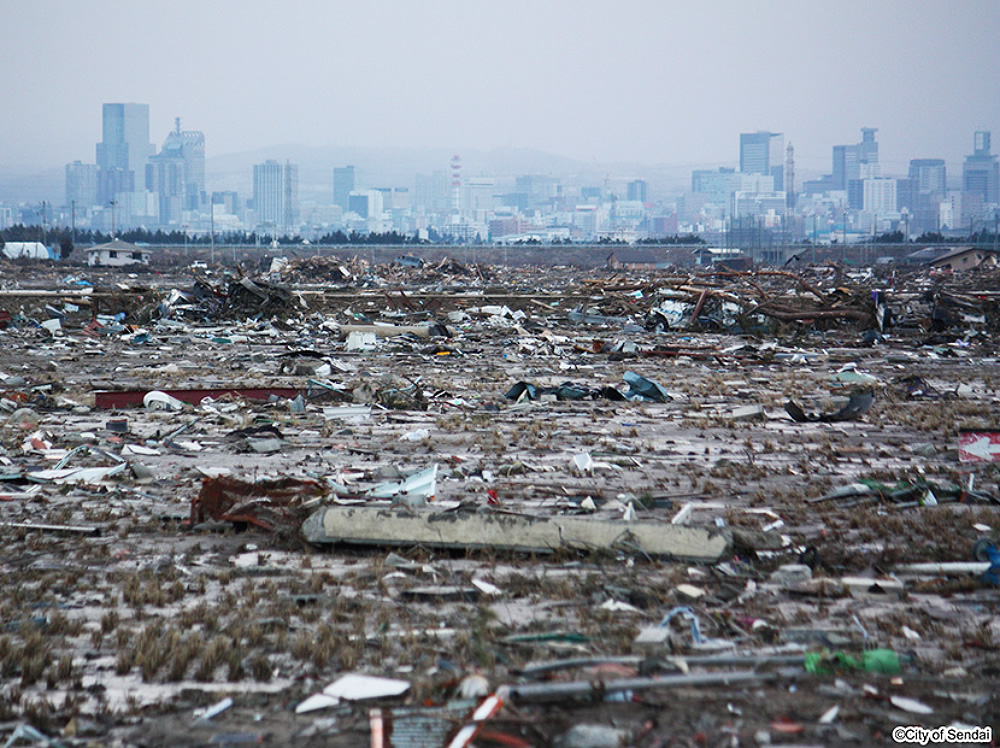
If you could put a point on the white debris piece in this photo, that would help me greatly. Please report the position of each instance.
(157, 400)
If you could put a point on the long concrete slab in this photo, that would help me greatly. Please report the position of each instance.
(512, 532)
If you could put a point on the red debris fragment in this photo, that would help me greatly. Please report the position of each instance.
(268, 504)
(785, 726)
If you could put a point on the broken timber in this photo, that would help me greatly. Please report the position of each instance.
(512, 532)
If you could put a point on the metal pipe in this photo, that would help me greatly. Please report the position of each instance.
(951, 567)
(754, 660)
(554, 691)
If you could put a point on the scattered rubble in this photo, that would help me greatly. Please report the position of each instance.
(434, 503)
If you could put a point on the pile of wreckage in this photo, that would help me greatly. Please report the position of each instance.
(338, 504)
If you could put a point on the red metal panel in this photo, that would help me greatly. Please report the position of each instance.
(979, 446)
(133, 398)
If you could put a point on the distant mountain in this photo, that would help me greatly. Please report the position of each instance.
(24, 185)
(382, 167)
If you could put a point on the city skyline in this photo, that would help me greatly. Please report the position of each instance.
(132, 185)
(655, 84)
(740, 145)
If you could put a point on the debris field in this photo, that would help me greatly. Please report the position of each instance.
(326, 502)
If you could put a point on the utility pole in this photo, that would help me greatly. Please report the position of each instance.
(871, 250)
(814, 239)
(790, 176)
(211, 214)
(112, 204)
(73, 219)
(843, 248)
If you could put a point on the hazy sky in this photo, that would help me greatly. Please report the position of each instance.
(650, 81)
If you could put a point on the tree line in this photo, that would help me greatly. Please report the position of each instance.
(67, 239)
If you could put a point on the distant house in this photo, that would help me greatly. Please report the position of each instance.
(740, 264)
(732, 259)
(117, 253)
(927, 255)
(634, 258)
(27, 250)
(966, 258)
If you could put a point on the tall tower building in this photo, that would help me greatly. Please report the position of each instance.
(762, 152)
(367, 203)
(343, 186)
(848, 159)
(81, 185)
(980, 180)
(124, 150)
(846, 167)
(927, 185)
(868, 148)
(177, 173)
(790, 176)
(276, 194)
(853, 164)
(930, 175)
(638, 189)
(456, 185)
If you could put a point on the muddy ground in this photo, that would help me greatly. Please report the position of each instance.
(122, 619)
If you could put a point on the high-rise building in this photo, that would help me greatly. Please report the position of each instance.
(763, 204)
(81, 185)
(229, 200)
(718, 186)
(868, 148)
(853, 164)
(124, 150)
(980, 181)
(165, 177)
(478, 195)
(177, 173)
(276, 195)
(763, 152)
(930, 174)
(638, 189)
(845, 165)
(433, 192)
(879, 196)
(926, 187)
(847, 159)
(366, 203)
(394, 198)
(790, 175)
(343, 186)
(188, 147)
(540, 190)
